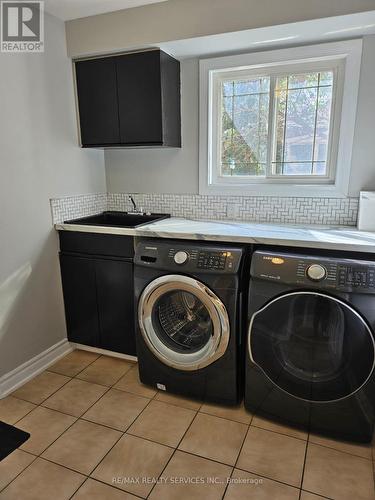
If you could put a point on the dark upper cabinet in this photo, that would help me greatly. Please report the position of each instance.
(139, 97)
(129, 100)
(97, 101)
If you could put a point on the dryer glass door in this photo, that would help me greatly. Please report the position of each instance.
(312, 346)
(183, 322)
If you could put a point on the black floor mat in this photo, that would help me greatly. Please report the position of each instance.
(10, 439)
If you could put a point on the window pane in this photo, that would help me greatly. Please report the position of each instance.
(319, 167)
(281, 101)
(244, 126)
(326, 78)
(228, 88)
(281, 82)
(303, 80)
(302, 122)
(322, 123)
(251, 86)
(233, 169)
(294, 168)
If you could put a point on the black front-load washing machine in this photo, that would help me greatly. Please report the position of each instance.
(190, 321)
(310, 346)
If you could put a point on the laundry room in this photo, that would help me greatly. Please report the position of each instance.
(187, 275)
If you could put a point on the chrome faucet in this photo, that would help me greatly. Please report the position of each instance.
(135, 209)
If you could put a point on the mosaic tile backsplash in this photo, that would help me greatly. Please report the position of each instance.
(73, 207)
(326, 211)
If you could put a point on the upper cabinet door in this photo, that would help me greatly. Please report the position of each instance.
(97, 101)
(129, 100)
(139, 97)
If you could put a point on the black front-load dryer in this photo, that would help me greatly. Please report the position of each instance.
(310, 346)
(190, 321)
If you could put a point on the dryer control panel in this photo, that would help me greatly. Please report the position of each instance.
(186, 257)
(346, 275)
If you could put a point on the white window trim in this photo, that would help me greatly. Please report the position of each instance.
(346, 56)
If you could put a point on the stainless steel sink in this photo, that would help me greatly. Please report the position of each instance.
(118, 219)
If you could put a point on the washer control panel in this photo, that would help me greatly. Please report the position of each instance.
(205, 259)
(357, 276)
(346, 275)
(183, 257)
(213, 260)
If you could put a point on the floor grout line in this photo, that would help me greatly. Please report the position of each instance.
(114, 428)
(45, 399)
(224, 418)
(27, 466)
(123, 432)
(257, 473)
(110, 486)
(227, 485)
(36, 406)
(268, 477)
(243, 442)
(80, 371)
(317, 494)
(111, 448)
(239, 453)
(87, 409)
(54, 392)
(304, 464)
(339, 451)
(156, 442)
(77, 418)
(174, 452)
(80, 486)
(277, 432)
(114, 383)
(175, 404)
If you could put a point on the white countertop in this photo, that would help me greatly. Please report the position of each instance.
(325, 237)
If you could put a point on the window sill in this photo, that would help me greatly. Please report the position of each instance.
(279, 190)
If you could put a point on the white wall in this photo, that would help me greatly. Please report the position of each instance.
(164, 171)
(39, 159)
(363, 155)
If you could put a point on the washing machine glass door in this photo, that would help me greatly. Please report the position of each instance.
(312, 346)
(183, 322)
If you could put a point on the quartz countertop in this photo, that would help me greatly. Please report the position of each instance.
(325, 237)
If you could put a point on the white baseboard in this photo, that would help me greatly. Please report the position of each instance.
(23, 373)
(104, 351)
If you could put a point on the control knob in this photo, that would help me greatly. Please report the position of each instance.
(316, 272)
(181, 257)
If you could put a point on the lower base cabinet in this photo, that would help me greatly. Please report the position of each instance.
(99, 303)
(114, 283)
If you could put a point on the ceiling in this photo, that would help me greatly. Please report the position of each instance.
(73, 9)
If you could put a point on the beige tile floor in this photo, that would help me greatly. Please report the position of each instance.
(97, 433)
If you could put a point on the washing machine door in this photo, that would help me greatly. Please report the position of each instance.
(312, 346)
(183, 322)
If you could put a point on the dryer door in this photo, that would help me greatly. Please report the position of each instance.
(183, 322)
(312, 346)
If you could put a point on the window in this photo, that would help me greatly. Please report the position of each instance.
(299, 125)
(276, 127)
